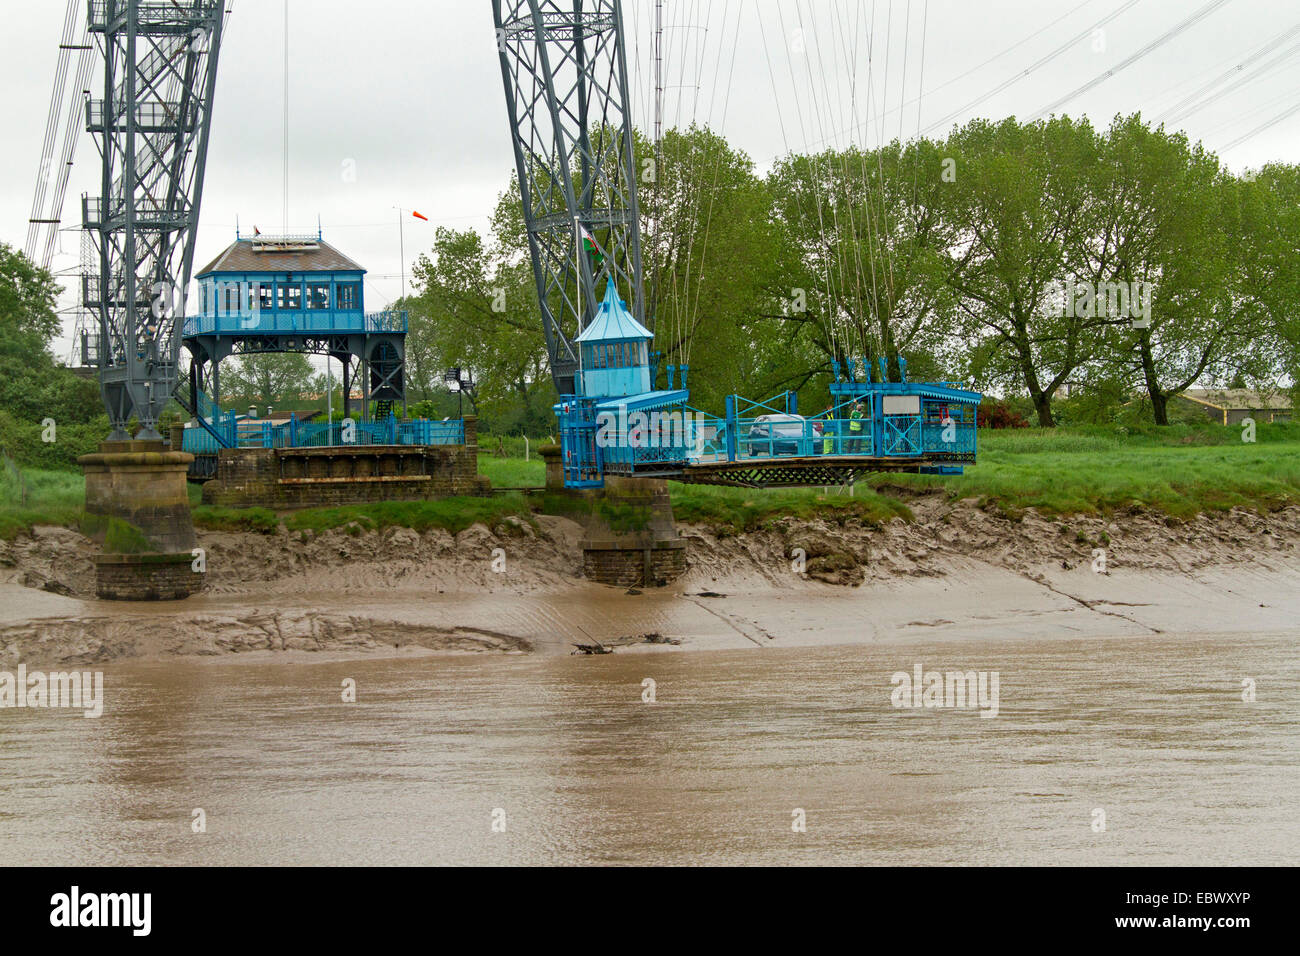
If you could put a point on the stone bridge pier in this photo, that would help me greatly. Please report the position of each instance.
(138, 510)
(629, 534)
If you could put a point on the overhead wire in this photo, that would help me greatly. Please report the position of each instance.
(1032, 68)
(1183, 25)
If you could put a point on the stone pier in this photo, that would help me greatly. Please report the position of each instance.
(138, 509)
(629, 535)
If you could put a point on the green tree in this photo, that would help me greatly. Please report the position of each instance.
(32, 386)
(268, 378)
(1019, 195)
(1165, 219)
(712, 265)
(477, 309)
(869, 233)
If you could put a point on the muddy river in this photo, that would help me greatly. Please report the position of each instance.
(1105, 750)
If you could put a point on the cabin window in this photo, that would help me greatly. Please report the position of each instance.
(265, 295)
(230, 298)
(318, 295)
(289, 296)
(346, 296)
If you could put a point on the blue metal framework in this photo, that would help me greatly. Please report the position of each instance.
(227, 431)
(292, 294)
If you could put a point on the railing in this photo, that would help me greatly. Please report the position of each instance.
(704, 439)
(151, 14)
(94, 217)
(295, 434)
(956, 438)
(391, 321)
(150, 116)
(259, 321)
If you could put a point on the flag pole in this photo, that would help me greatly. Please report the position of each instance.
(577, 264)
(401, 245)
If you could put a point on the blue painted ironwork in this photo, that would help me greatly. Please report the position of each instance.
(295, 294)
(228, 431)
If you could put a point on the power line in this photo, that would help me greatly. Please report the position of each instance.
(1130, 60)
(1191, 98)
(1033, 67)
(1289, 111)
(1259, 70)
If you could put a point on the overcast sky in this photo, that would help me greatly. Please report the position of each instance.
(399, 103)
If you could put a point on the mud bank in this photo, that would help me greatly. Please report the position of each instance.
(955, 572)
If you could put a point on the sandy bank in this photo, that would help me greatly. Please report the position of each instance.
(957, 572)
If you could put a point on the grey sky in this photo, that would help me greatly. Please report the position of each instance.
(409, 94)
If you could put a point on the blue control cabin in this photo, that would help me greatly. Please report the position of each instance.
(294, 294)
(603, 429)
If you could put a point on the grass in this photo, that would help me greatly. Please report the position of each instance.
(1180, 470)
(30, 497)
(217, 518)
(450, 514)
(513, 472)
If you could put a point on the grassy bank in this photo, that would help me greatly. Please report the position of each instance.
(449, 514)
(30, 497)
(1180, 470)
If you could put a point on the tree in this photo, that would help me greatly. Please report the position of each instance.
(32, 386)
(1019, 194)
(870, 234)
(268, 378)
(712, 265)
(1158, 224)
(477, 309)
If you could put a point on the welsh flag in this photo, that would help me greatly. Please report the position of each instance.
(589, 244)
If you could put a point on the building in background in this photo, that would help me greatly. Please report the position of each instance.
(295, 294)
(1228, 406)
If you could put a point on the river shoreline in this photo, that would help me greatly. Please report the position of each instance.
(958, 572)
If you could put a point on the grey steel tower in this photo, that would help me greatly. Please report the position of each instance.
(565, 76)
(151, 127)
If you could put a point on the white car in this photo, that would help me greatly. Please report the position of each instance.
(780, 435)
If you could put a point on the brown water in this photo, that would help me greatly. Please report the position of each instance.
(1151, 730)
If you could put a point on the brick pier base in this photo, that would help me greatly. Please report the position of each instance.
(630, 537)
(345, 474)
(137, 507)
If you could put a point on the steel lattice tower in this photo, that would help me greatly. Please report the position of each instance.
(151, 127)
(565, 76)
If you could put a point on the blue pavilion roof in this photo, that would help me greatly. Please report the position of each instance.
(613, 322)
